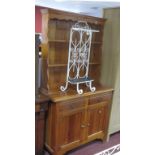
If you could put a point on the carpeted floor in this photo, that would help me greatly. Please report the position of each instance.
(95, 146)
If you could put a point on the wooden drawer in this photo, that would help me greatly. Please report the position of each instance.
(71, 105)
(99, 98)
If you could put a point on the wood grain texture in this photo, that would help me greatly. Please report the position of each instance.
(72, 119)
(55, 34)
(76, 121)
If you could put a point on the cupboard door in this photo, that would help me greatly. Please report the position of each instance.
(70, 129)
(97, 120)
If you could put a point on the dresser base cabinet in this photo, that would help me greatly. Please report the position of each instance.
(72, 119)
(74, 122)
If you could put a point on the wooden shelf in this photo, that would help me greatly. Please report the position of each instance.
(63, 65)
(57, 65)
(94, 63)
(58, 41)
(67, 41)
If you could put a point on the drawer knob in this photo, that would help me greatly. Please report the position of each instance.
(88, 124)
(83, 126)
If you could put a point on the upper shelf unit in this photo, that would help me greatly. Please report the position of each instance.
(56, 27)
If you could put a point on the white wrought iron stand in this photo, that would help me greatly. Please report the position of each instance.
(78, 57)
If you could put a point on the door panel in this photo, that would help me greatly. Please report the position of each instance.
(97, 118)
(69, 128)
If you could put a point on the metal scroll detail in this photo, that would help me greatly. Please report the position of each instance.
(78, 57)
(110, 151)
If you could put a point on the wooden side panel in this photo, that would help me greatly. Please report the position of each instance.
(45, 20)
(44, 49)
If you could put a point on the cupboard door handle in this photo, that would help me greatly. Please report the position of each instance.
(83, 126)
(88, 124)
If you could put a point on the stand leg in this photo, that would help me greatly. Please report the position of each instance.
(87, 84)
(80, 91)
(62, 88)
(91, 88)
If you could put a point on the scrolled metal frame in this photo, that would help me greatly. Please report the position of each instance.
(78, 57)
(110, 151)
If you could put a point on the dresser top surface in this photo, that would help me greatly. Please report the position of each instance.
(71, 93)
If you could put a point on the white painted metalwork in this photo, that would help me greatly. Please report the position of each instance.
(78, 56)
(110, 151)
